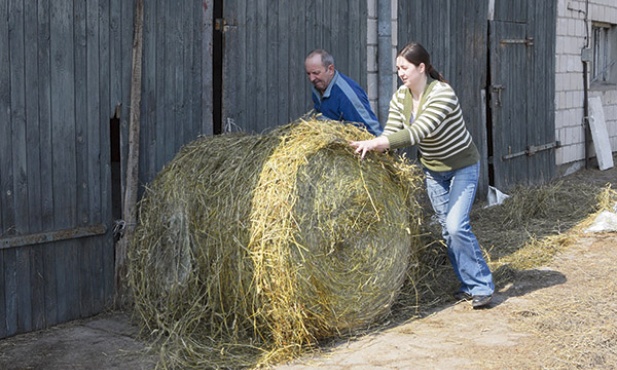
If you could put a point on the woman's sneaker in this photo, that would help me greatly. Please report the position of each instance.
(462, 296)
(479, 301)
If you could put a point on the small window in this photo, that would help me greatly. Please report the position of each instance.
(603, 69)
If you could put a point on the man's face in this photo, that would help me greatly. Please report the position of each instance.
(319, 75)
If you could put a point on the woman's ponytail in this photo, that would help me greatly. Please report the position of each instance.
(435, 74)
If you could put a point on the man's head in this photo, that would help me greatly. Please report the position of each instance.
(319, 65)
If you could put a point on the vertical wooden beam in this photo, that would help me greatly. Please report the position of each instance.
(129, 208)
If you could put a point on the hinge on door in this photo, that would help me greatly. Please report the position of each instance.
(528, 41)
(531, 150)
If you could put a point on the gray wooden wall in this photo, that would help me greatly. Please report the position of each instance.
(265, 84)
(474, 59)
(65, 77)
(63, 72)
(177, 80)
(522, 63)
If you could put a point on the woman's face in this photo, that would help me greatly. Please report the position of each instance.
(410, 74)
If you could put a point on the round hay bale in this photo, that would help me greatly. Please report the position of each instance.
(258, 245)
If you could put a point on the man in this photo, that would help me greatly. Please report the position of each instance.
(337, 96)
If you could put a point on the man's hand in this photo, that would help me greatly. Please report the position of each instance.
(379, 144)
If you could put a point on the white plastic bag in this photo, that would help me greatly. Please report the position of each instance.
(605, 221)
(495, 197)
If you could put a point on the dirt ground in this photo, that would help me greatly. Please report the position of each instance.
(562, 315)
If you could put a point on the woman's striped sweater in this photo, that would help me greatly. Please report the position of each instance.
(439, 129)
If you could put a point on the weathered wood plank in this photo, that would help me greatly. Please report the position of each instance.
(148, 162)
(51, 284)
(336, 38)
(23, 289)
(182, 74)
(45, 117)
(272, 48)
(10, 291)
(5, 102)
(244, 49)
(356, 40)
(33, 134)
(63, 108)
(7, 211)
(63, 136)
(3, 299)
(117, 57)
(50, 307)
(162, 21)
(18, 284)
(261, 57)
(188, 28)
(74, 279)
(107, 104)
(84, 162)
(37, 268)
(237, 14)
(169, 69)
(297, 90)
(542, 18)
(205, 88)
(18, 116)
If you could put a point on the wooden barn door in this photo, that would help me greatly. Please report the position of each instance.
(521, 127)
(457, 42)
(264, 44)
(61, 84)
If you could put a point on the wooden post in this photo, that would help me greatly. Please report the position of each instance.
(129, 206)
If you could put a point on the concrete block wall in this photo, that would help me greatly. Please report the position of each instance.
(571, 38)
(372, 54)
(372, 51)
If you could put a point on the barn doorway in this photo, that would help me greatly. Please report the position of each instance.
(218, 42)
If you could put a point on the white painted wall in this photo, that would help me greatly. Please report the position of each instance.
(571, 38)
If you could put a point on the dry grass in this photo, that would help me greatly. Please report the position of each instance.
(576, 324)
(523, 234)
(573, 329)
(252, 249)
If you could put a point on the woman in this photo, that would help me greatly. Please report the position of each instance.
(425, 112)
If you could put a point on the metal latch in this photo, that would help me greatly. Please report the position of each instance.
(220, 24)
(528, 41)
(497, 89)
(531, 150)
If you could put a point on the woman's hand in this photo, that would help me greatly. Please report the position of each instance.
(379, 144)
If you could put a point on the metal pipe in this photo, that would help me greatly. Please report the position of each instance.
(587, 129)
(586, 117)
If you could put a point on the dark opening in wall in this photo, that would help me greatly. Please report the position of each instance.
(217, 67)
(116, 177)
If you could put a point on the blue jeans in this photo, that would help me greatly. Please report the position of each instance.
(452, 194)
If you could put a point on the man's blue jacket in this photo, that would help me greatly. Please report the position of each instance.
(345, 100)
